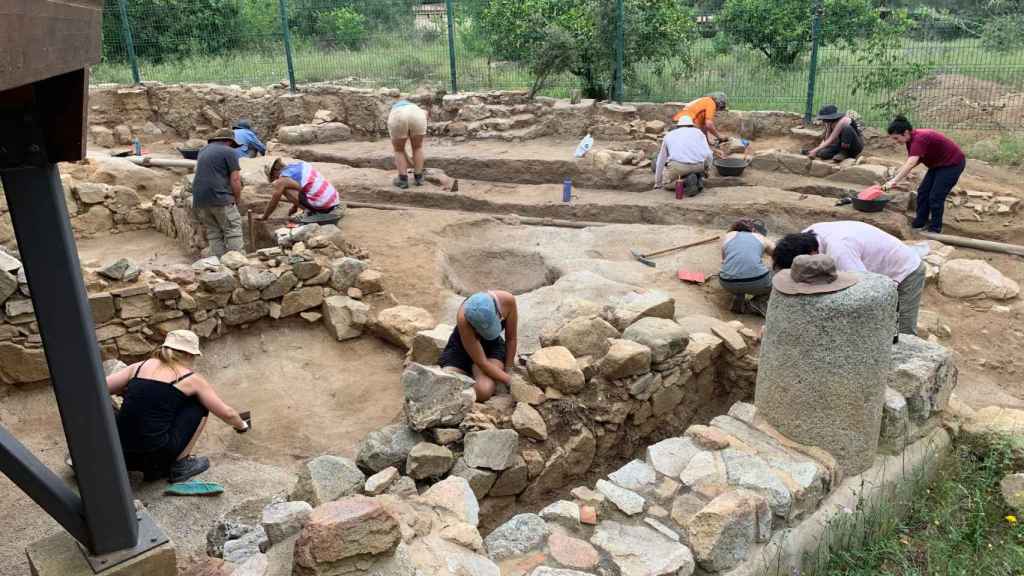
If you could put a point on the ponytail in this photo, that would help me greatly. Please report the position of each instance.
(900, 125)
(171, 357)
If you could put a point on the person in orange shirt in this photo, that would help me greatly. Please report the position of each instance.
(702, 111)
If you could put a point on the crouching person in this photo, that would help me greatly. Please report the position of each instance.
(476, 347)
(303, 186)
(165, 409)
(743, 269)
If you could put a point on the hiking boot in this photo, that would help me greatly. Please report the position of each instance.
(401, 182)
(418, 179)
(693, 185)
(188, 467)
(839, 158)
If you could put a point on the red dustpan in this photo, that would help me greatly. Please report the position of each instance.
(690, 276)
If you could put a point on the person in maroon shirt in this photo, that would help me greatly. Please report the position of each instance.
(945, 162)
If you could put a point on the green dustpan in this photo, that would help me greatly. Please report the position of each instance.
(194, 488)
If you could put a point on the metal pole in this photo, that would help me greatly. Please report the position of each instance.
(47, 246)
(283, 8)
(451, 46)
(813, 75)
(620, 51)
(126, 33)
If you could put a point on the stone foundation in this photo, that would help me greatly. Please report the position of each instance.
(328, 112)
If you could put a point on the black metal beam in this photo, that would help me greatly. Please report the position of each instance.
(43, 230)
(42, 485)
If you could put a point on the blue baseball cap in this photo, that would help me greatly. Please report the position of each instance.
(482, 314)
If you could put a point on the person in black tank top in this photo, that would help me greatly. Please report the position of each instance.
(165, 409)
(476, 347)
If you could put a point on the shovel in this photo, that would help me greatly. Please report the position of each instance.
(645, 259)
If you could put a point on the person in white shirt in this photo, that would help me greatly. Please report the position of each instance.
(860, 247)
(684, 154)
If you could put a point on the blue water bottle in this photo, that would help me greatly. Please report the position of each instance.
(567, 190)
(138, 146)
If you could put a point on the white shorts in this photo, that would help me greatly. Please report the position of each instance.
(409, 120)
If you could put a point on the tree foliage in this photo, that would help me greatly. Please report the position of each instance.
(781, 29)
(886, 71)
(521, 29)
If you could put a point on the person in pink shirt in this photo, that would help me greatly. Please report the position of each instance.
(860, 247)
(945, 162)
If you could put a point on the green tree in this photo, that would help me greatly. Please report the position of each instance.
(885, 69)
(781, 29)
(169, 29)
(655, 29)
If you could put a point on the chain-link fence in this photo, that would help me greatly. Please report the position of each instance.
(792, 55)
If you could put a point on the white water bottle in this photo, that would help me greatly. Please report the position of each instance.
(585, 145)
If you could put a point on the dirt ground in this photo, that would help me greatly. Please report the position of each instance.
(310, 395)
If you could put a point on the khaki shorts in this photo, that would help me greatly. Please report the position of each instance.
(407, 121)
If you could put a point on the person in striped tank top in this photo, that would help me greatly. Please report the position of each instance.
(302, 185)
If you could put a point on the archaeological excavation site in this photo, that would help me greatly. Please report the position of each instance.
(646, 429)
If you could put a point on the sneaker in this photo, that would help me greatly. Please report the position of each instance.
(402, 183)
(839, 158)
(418, 179)
(188, 467)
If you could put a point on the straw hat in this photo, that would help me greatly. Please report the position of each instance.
(183, 341)
(685, 121)
(269, 168)
(224, 135)
(813, 274)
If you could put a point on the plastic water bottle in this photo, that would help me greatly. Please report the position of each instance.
(567, 190)
(585, 145)
(138, 146)
(680, 189)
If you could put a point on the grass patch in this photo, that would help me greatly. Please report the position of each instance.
(957, 526)
(1004, 149)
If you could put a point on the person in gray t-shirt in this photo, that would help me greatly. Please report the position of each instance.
(216, 192)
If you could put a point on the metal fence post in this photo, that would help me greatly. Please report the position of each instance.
(126, 34)
(813, 75)
(451, 45)
(620, 50)
(283, 8)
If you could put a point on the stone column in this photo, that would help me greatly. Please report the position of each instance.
(825, 362)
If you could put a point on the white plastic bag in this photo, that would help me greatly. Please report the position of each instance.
(585, 145)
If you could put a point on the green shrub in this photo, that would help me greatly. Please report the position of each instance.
(1003, 34)
(781, 29)
(170, 29)
(304, 15)
(655, 30)
(343, 27)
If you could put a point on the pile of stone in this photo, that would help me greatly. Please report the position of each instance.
(923, 378)
(323, 129)
(856, 172)
(134, 309)
(985, 203)
(97, 208)
(705, 499)
(598, 387)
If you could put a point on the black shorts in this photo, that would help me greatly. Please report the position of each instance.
(304, 202)
(454, 354)
(157, 464)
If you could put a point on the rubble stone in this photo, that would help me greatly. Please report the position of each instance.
(428, 460)
(400, 324)
(387, 447)
(381, 481)
(427, 345)
(344, 317)
(283, 520)
(664, 337)
(975, 279)
(454, 495)
(642, 551)
(327, 478)
(623, 359)
(351, 527)
(435, 398)
(480, 481)
(491, 449)
(521, 534)
(529, 423)
(587, 336)
(629, 502)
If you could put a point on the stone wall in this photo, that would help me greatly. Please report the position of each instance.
(601, 388)
(134, 309)
(154, 112)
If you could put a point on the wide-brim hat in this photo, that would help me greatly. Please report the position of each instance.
(268, 169)
(183, 341)
(813, 274)
(830, 112)
(685, 121)
(224, 135)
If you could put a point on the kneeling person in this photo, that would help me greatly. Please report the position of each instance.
(743, 269)
(165, 408)
(303, 186)
(476, 347)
